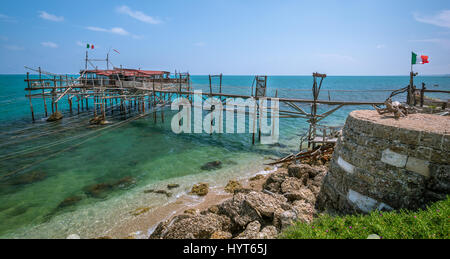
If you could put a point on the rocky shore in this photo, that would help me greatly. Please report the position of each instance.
(258, 210)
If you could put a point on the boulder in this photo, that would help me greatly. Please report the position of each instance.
(211, 166)
(251, 231)
(192, 227)
(305, 211)
(274, 181)
(232, 186)
(200, 189)
(302, 170)
(284, 219)
(303, 194)
(55, 117)
(97, 120)
(291, 185)
(244, 208)
(269, 232)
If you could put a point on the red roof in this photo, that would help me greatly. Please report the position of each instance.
(127, 72)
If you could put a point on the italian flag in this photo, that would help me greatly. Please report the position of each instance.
(90, 46)
(422, 60)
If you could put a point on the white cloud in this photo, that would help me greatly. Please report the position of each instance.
(6, 18)
(441, 19)
(381, 46)
(428, 40)
(138, 15)
(50, 17)
(79, 43)
(13, 47)
(115, 30)
(49, 44)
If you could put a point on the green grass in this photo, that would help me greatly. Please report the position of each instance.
(432, 223)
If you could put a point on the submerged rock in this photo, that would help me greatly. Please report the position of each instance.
(140, 211)
(97, 120)
(98, 190)
(70, 201)
(200, 189)
(212, 166)
(233, 186)
(55, 117)
(125, 182)
(27, 178)
(172, 186)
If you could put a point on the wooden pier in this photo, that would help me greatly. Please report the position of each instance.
(132, 92)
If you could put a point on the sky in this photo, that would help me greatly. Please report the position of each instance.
(246, 37)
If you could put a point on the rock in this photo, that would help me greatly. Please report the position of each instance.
(191, 211)
(212, 166)
(274, 181)
(70, 201)
(373, 236)
(244, 208)
(150, 191)
(74, 236)
(305, 211)
(300, 171)
(232, 186)
(268, 169)
(200, 189)
(55, 117)
(192, 227)
(221, 235)
(214, 209)
(140, 211)
(98, 190)
(284, 219)
(97, 120)
(291, 185)
(125, 182)
(257, 178)
(269, 232)
(168, 194)
(302, 194)
(28, 178)
(251, 231)
(172, 186)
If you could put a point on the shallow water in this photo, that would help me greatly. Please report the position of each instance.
(42, 164)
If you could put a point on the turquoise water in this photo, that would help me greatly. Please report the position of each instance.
(42, 164)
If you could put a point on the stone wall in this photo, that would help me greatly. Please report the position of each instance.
(382, 163)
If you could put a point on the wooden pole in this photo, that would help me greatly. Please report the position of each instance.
(422, 94)
(29, 93)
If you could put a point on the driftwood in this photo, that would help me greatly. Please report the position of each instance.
(399, 110)
(320, 153)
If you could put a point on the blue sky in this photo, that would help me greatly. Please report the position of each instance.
(227, 36)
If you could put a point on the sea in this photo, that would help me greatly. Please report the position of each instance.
(69, 177)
